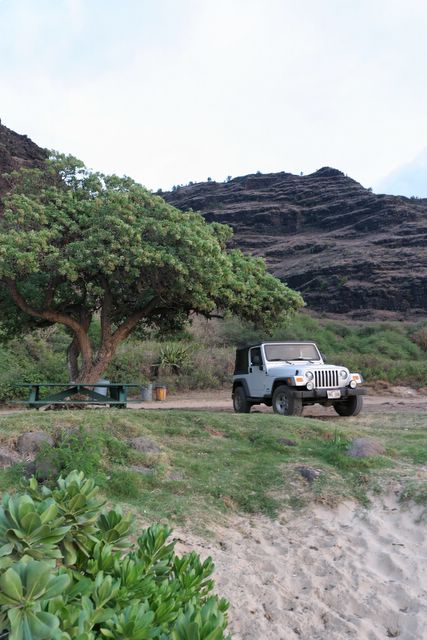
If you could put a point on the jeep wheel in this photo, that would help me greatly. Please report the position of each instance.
(240, 402)
(285, 403)
(351, 407)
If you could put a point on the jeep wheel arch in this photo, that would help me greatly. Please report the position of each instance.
(351, 407)
(285, 403)
(241, 403)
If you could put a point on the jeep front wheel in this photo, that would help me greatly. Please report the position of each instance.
(285, 403)
(351, 407)
(241, 403)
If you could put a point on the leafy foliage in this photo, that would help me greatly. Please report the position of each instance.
(74, 243)
(67, 572)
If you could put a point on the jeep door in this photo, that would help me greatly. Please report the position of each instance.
(257, 378)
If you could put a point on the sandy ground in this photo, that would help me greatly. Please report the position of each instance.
(402, 399)
(319, 574)
(323, 574)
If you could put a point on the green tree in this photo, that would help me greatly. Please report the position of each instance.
(75, 244)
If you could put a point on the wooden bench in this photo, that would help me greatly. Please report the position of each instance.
(116, 394)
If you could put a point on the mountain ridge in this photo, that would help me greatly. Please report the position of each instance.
(346, 249)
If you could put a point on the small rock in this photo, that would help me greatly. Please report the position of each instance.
(45, 469)
(364, 448)
(406, 392)
(144, 445)
(145, 471)
(176, 476)
(31, 442)
(29, 469)
(286, 442)
(6, 460)
(309, 473)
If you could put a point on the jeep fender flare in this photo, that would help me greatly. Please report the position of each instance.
(279, 381)
(242, 383)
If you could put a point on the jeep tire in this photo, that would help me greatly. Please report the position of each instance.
(351, 407)
(241, 403)
(285, 403)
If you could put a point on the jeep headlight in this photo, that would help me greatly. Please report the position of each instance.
(309, 375)
(343, 374)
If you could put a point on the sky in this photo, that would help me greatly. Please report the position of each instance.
(172, 91)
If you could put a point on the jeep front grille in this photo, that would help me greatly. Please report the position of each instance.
(325, 378)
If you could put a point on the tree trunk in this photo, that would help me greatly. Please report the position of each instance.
(73, 352)
(90, 371)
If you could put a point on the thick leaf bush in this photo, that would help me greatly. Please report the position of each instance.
(68, 570)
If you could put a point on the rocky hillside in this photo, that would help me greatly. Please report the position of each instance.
(16, 151)
(345, 248)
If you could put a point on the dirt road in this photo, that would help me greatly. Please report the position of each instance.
(397, 399)
(400, 399)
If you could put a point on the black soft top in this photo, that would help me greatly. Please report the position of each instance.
(242, 353)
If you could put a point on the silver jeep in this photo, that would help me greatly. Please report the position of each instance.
(291, 375)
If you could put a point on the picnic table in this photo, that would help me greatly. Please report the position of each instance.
(70, 393)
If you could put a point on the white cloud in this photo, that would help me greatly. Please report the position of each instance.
(410, 179)
(170, 92)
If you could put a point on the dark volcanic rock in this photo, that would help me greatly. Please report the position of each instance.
(308, 473)
(17, 151)
(343, 247)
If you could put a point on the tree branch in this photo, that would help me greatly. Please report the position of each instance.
(47, 314)
(79, 330)
(122, 332)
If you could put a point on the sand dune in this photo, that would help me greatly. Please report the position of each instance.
(323, 574)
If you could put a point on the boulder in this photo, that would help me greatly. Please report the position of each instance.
(29, 443)
(144, 445)
(309, 473)
(365, 448)
(45, 469)
(286, 442)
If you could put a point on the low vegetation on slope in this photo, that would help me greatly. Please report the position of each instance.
(177, 467)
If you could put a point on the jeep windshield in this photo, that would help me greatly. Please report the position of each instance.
(288, 352)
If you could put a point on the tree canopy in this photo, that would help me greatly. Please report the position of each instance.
(75, 243)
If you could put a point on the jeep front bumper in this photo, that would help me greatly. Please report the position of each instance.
(317, 394)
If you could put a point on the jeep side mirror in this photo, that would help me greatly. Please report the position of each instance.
(322, 355)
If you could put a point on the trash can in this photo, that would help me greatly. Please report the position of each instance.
(160, 392)
(103, 391)
(147, 392)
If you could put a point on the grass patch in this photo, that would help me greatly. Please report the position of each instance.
(211, 464)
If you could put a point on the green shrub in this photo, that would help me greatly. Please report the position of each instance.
(68, 571)
(76, 448)
(204, 359)
(174, 356)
